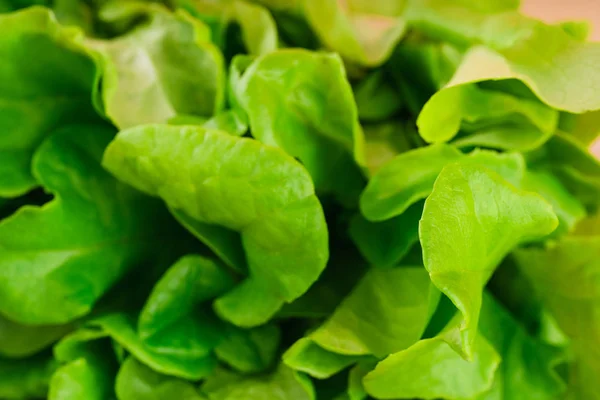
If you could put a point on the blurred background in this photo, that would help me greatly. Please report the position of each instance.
(559, 10)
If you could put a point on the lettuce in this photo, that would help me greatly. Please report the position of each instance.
(303, 200)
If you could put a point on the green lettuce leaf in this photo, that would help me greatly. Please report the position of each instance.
(405, 180)
(94, 231)
(364, 32)
(410, 176)
(18, 340)
(567, 207)
(257, 26)
(27, 377)
(420, 68)
(565, 274)
(296, 89)
(251, 350)
(121, 327)
(38, 97)
(374, 318)
(136, 381)
(573, 165)
(172, 320)
(308, 357)
(256, 190)
(281, 384)
(89, 369)
(584, 127)
(164, 67)
(471, 221)
(225, 243)
(527, 367)
(495, 119)
(356, 389)
(432, 369)
(504, 49)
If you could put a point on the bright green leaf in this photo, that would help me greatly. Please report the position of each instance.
(307, 108)
(450, 109)
(38, 97)
(172, 321)
(255, 190)
(471, 220)
(92, 232)
(308, 357)
(386, 312)
(89, 367)
(404, 180)
(432, 369)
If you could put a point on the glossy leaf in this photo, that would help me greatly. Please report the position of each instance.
(38, 97)
(374, 318)
(92, 232)
(269, 200)
(471, 220)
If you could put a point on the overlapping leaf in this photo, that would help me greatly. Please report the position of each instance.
(244, 186)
